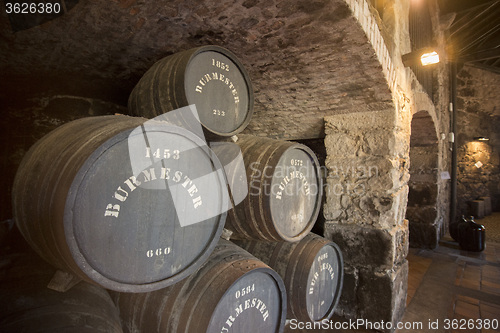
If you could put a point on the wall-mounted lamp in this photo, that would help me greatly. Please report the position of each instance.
(429, 58)
(481, 138)
(421, 57)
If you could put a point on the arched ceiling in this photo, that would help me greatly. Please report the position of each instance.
(307, 58)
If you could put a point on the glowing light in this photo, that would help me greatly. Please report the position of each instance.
(422, 57)
(429, 58)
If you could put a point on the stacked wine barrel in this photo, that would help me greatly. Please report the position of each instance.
(105, 198)
(137, 204)
(209, 77)
(232, 292)
(312, 270)
(274, 220)
(284, 191)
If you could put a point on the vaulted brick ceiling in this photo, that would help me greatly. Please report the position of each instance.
(306, 58)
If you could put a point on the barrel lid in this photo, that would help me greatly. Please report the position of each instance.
(256, 301)
(324, 282)
(218, 84)
(144, 233)
(296, 191)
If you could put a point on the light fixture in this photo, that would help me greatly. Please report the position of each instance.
(422, 57)
(481, 138)
(429, 58)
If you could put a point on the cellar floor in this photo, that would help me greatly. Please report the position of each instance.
(450, 286)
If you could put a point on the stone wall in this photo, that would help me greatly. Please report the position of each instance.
(422, 211)
(306, 58)
(478, 106)
(368, 162)
(366, 197)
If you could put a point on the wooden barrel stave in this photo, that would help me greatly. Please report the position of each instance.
(161, 311)
(255, 205)
(262, 202)
(238, 224)
(251, 207)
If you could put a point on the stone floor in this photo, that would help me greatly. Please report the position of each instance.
(451, 290)
(455, 288)
(451, 287)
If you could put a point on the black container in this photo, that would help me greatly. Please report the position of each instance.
(454, 229)
(471, 235)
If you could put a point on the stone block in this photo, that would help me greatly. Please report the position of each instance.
(348, 304)
(401, 243)
(332, 209)
(361, 246)
(477, 208)
(392, 174)
(487, 205)
(423, 235)
(369, 247)
(341, 146)
(422, 194)
(425, 215)
(402, 142)
(402, 201)
(382, 295)
(362, 121)
(363, 192)
(377, 144)
(424, 160)
(394, 213)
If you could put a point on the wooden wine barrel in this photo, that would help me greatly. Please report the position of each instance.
(231, 292)
(114, 200)
(210, 77)
(313, 272)
(27, 305)
(284, 191)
